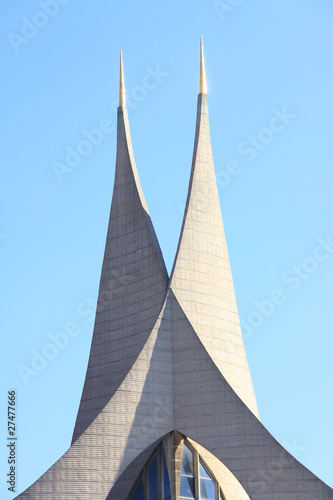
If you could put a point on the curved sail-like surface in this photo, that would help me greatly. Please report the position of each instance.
(132, 285)
(201, 278)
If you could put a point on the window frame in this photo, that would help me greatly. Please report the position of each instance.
(144, 473)
(196, 472)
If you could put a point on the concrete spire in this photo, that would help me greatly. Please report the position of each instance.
(201, 279)
(132, 261)
(203, 85)
(122, 101)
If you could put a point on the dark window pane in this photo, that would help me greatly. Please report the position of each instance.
(207, 489)
(186, 487)
(138, 492)
(187, 461)
(166, 481)
(152, 479)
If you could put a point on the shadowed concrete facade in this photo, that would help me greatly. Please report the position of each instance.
(167, 359)
(132, 286)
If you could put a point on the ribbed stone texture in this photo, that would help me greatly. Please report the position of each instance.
(201, 278)
(132, 286)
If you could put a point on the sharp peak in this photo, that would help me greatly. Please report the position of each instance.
(203, 85)
(122, 101)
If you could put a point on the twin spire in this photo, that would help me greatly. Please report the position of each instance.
(203, 85)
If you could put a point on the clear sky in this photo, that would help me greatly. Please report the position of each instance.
(270, 81)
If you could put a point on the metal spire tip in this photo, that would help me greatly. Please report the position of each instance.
(122, 101)
(203, 85)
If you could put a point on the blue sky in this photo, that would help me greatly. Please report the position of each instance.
(269, 75)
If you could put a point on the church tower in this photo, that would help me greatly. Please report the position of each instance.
(168, 410)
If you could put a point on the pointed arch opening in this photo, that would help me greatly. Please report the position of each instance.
(154, 481)
(177, 469)
(197, 481)
(227, 485)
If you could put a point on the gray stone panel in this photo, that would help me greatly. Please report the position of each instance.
(201, 278)
(138, 415)
(132, 287)
(209, 411)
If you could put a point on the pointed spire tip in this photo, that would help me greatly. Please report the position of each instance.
(121, 82)
(203, 86)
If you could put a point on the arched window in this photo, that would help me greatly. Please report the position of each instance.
(138, 493)
(153, 483)
(207, 483)
(196, 481)
(187, 475)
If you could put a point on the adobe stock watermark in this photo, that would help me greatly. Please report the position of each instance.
(226, 7)
(3, 237)
(93, 138)
(294, 448)
(292, 279)
(31, 27)
(249, 149)
(277, 466)
(114, 287)
(86, 310)
(56, 342)
(159, 417)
